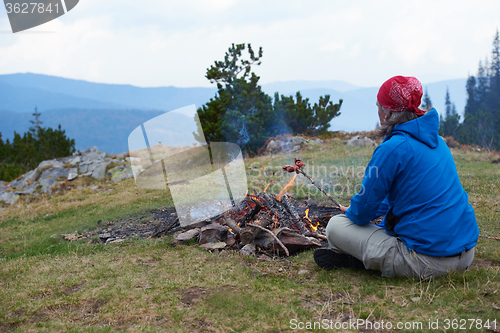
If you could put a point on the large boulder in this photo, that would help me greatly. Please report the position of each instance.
(121, 172)
(290, 144)
(93, 154)
(9, 197)
(51, 164)
(360, 141)
(56, 173)
(99, 169)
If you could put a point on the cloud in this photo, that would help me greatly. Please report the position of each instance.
(152, 43)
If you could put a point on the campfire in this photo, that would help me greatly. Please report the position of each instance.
(264, 222)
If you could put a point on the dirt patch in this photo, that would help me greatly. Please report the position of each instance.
(74, 289)
(483, 263)
(141, 225)
(192, 295)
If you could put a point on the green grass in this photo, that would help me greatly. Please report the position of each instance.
(51, 285)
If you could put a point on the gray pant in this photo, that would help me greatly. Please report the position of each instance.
(388, 254)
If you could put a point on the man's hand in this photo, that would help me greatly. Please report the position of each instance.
(343, 209)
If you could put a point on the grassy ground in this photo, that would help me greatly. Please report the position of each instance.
(48, 284)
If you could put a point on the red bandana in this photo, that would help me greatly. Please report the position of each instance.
(401, 93)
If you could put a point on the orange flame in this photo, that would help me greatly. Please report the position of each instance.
(313, 227)
(307, 215)
(287, 186)
(267, 186)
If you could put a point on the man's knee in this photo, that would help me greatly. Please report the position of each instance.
(336, 224)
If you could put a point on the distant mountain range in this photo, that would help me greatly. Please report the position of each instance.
(103, 115)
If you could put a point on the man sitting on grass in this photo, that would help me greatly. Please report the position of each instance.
(429, 227)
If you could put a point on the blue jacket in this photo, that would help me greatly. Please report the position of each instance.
(412, 180)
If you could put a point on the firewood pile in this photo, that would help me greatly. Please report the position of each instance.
(262, 222)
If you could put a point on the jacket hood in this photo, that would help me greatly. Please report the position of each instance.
(425, 129)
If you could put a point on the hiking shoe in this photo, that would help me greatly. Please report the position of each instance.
(328, 259)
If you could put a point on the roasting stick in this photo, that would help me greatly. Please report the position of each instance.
(297, 167)
(490, 237)
(319, 187)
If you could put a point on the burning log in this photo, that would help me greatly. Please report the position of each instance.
(249, 233)
(289, 205)
(292, 241)
(213, 233)
(275, 237)
(186, 236)
(258, 206)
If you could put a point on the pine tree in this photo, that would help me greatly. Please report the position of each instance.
(27, 151)
(302, 118)
(240, 112)
(37, 122)
(495, 66)
(447, 103)
(243, 114)
(426, 101)
(482, 112)
(449, 125)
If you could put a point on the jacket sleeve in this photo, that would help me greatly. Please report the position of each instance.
(383, 208)
(370, 202)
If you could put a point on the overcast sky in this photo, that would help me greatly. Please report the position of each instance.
(172, 43)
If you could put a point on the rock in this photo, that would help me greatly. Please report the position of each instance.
(248, 249)
(24, 180)
(360, 141)
(48, 184)
(72, 237)
(75, 160)
(272, 146)
(121, 155)
(9, 198)
(99, 170)
(72, 176)
(96, 168)
(288, 144)
(298, 140)
(315, 142)
(93, 154)
(51, 164)
(30, 189)
(104, 237)
(121, 172)
(303, 271)
(55, 173)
